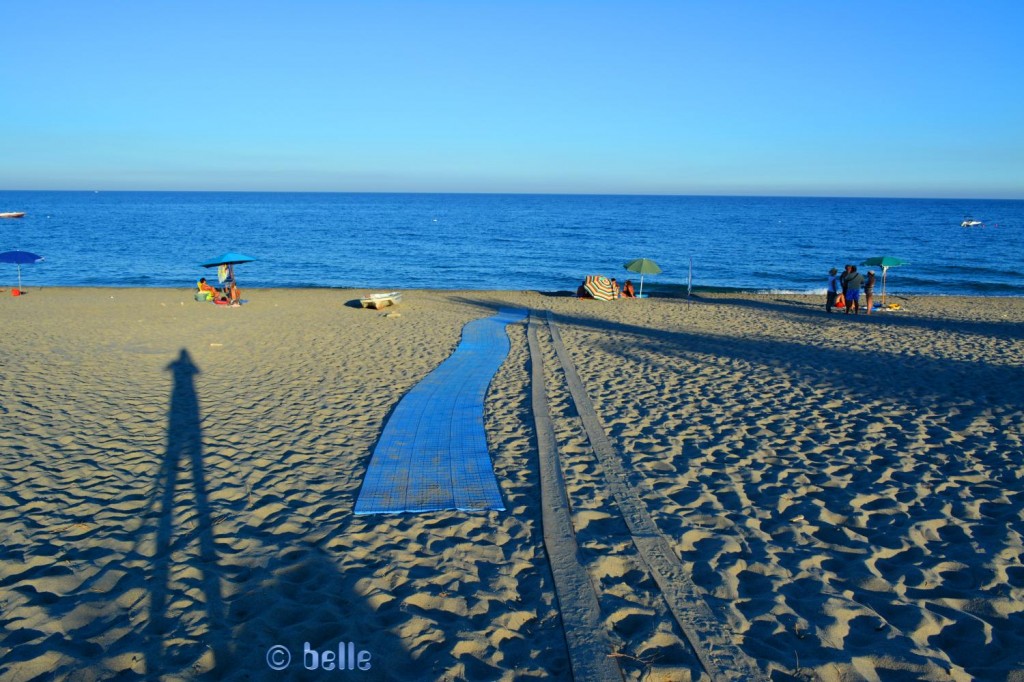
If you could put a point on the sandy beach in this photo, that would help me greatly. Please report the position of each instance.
(177, 482)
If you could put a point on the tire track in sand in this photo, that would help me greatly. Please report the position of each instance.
(589, 646)
(710, 639)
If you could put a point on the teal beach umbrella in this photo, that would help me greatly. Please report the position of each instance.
(642, 266)
(230, 259)
(885, 262)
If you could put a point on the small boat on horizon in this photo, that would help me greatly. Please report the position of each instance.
(12, 215)
(970, 222)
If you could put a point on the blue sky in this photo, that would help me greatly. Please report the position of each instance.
(883, 98)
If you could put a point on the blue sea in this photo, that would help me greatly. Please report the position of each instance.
(508, 241)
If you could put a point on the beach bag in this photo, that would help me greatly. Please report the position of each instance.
(840, 300)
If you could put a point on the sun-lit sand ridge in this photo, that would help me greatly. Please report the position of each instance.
(178, 481)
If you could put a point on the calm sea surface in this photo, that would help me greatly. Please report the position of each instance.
(544, 242)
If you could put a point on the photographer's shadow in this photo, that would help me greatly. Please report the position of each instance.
(247, 605)
(182, 491)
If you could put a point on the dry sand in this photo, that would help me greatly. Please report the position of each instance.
(177, 481)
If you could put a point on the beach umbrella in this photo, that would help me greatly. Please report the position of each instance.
(642, 266)
(19, 258)
(600, 287)
(885, 262)
(229, 260)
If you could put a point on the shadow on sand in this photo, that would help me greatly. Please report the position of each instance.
(962, 392)
(183, 467)
(294, 596)
(205, 588)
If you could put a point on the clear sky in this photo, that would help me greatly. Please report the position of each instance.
(814, 97)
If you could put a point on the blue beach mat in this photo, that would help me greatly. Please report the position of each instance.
(433, 454)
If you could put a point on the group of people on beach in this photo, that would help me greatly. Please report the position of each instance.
(229, 294)
(627, 290)
(844, 290)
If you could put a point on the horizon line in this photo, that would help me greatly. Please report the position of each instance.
(499, 193)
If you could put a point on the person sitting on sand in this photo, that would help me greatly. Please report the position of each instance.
(234, 296)
(627, 289)
(581, 291)
(615, 288)
(205, 288)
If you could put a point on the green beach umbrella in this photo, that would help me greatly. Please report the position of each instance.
(642, 266)
(885, 262)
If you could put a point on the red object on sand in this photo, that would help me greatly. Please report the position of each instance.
(15, 292)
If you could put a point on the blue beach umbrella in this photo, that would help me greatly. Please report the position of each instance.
(19, 258)
(229, 259)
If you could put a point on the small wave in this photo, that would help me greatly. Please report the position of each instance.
(793, 292)
(680, 290)
(994, 288)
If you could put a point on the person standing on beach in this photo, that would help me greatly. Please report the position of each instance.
(854, 280)
(869, 290)
(844, 278)
(833, 289)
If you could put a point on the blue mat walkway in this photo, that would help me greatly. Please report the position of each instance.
(433, 454)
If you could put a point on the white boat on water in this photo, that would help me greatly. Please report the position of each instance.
(12, 215)
(972, 223)
(378, 301)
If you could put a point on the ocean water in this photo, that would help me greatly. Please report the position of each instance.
(479, 241)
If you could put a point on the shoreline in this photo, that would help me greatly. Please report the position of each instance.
(179, 480)
(708, 293)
